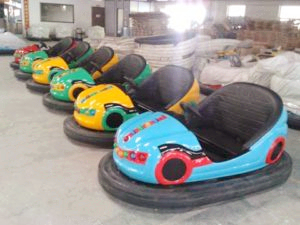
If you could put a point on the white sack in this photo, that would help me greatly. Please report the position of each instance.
(96, 32)
(63, 31)
(39, 31)
(286, 82)
(266, 68)
(223, 73)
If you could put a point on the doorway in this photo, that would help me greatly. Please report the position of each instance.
(98, 16)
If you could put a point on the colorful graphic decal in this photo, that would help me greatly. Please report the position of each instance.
(85, 111)
(95, 93)
(144, 126)
(133, 156)
(57, 87)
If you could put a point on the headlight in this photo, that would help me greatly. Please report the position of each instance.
(57, 87)
(133, 156)
(87, 112)
(39, 72)
(17, 55)
(92, 112)
(25, 63)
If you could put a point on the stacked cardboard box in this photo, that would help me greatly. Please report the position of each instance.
(272, 34)
(148, 24)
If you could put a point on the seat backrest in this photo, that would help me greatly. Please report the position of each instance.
(168, 84)
(130, 66)
(59, 48)
(97, 60)
(242, 110)
(76, 52)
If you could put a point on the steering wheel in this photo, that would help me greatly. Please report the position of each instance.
(131, 82)
(43, 45)
(192, 117)
(190, 108)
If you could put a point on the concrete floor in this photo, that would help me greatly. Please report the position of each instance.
(45, 179)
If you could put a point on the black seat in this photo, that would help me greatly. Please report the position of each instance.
(76, 52)
(97, 60)
(164, 88)
(130, 66)
(232, 119)
(59, 48)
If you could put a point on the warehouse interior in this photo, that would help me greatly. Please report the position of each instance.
(152, 112)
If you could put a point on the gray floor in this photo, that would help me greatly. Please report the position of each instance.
(47, 180)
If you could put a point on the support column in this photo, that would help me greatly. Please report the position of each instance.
(111, 15)
(26, 14)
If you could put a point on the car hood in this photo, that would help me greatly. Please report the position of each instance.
(29, 48)
(73, 75)
(34, 55)
(149, 130)
(20, 52)
(101, 95)
(51, 62)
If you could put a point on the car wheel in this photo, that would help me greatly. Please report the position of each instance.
(276, 150)
(173, 168)
(114, 120)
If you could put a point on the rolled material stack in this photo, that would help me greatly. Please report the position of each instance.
(176, 49)
(121, 45)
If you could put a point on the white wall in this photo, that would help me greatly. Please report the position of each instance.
(137, 6)
(264, 9)
(82, 12)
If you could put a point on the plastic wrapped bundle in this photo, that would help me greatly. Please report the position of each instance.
(36, 32)
(96, 32)
(175, 49)
(121, 45)
(286, 83)
(10, 42)
(63, 31)
(265, 69)
(95, 35)
(222, 73)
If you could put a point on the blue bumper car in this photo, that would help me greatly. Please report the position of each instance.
(230, 145)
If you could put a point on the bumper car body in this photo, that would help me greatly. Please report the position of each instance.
(27, 60)
(45, 70)
(41, 70)
(68, 84)
(105, 71)
(114, 105)
(19, 53)
(207, 147)
(63, 81)
(58, 49)
(95, 106)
